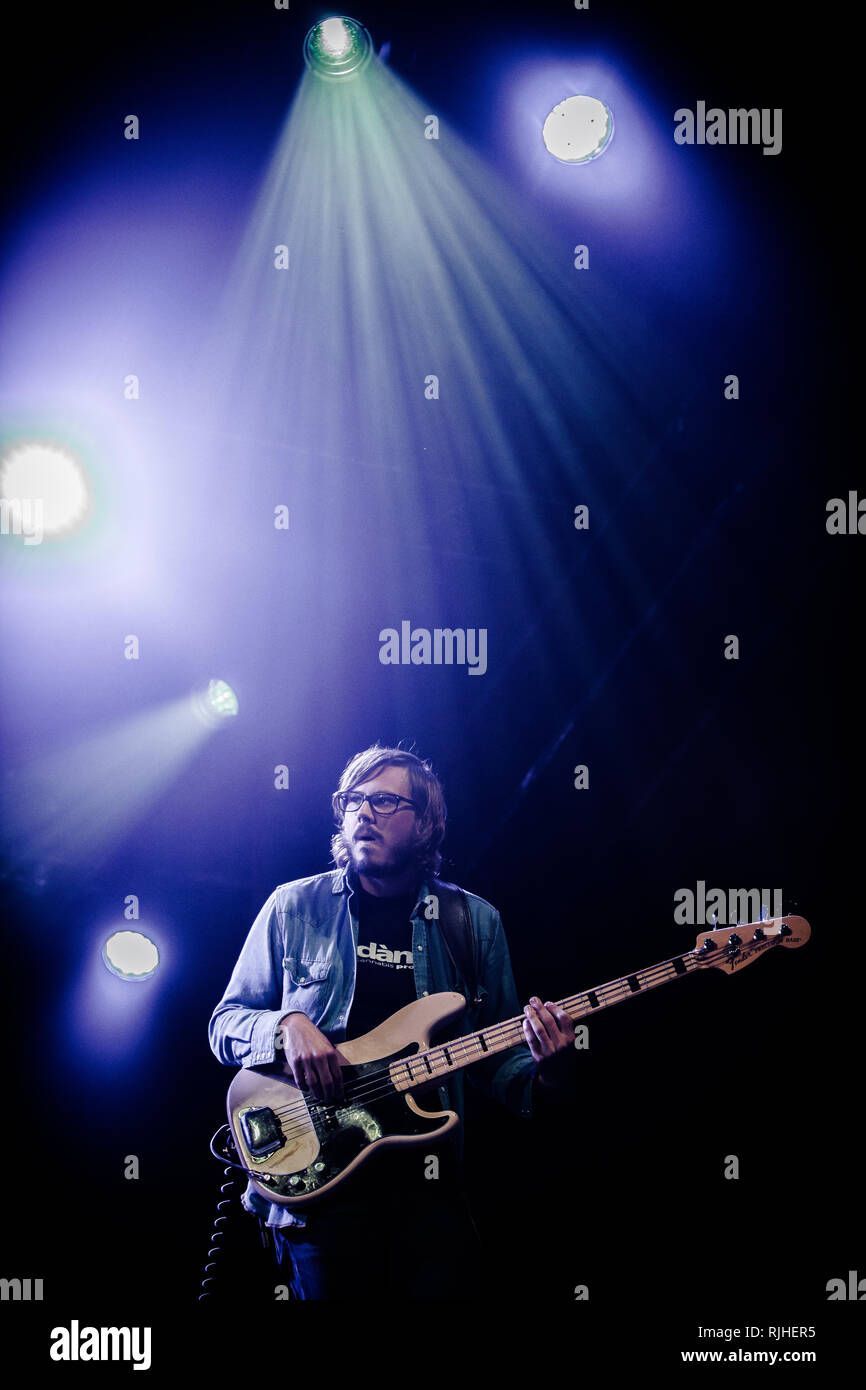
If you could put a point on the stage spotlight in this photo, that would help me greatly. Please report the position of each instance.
(578, 129)
(130, 955)
(215, 704)
(337, 47)
(43, 489)
(335, 37)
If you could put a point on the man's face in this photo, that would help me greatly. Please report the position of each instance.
(381, 846)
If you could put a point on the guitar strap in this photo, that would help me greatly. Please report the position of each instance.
(458, 933)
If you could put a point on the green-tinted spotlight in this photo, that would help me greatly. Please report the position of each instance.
(213, 705)
(130, 955)
(222, 699)
(337, 47)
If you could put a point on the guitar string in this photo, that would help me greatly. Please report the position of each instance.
(376, 1085)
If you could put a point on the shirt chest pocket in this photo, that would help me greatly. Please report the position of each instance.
(307, 985)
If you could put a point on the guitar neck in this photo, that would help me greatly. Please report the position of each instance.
(447, 1058)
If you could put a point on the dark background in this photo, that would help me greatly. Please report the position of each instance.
(733, 772)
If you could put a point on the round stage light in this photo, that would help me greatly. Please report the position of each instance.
(578, 129)
(337, 47)
(43, 487)
(222, 699)
(214, 704)
(131, 955)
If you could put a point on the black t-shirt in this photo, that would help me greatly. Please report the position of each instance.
(385, 981)
(386, 969)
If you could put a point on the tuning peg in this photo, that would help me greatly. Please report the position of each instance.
(759, 934)
(784, 929)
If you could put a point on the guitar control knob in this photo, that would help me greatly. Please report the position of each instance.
(294, 1180)
(319, 1167)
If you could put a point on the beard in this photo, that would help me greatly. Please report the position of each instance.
(375, 865)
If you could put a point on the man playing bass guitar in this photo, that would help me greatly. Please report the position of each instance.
(327, 960)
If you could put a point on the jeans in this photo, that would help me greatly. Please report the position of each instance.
(396, 1235)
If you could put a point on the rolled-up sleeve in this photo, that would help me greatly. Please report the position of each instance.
(242, 1026)
(508, 1076)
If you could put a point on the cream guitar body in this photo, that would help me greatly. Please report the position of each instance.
(323, 1144)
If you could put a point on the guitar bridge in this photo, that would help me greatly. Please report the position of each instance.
(262, 1131)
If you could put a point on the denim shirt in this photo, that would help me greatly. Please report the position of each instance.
(301, 955)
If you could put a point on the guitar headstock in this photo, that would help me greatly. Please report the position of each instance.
(730, 948)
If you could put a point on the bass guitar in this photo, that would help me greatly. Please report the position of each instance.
(296, 1149)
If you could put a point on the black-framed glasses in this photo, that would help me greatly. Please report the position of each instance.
(381, 803)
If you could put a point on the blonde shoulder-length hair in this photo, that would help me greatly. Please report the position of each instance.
(426, 792)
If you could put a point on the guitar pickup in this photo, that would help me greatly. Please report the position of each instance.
(262, 1133)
